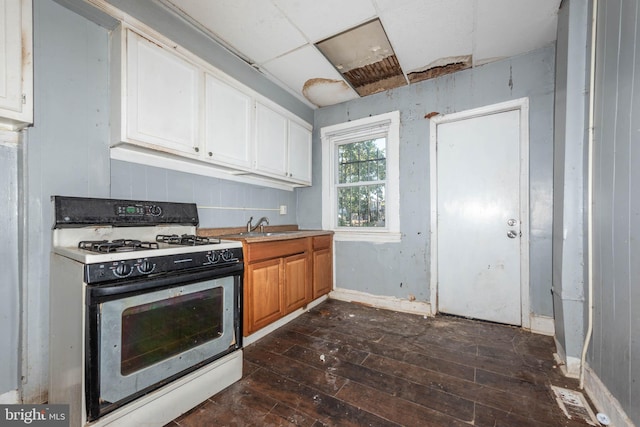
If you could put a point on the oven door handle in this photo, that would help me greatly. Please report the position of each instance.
(103, 293)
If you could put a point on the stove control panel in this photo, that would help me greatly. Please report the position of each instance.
(149, 266)
(138, 210)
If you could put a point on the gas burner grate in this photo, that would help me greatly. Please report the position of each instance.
(186, 239)
(119, 245)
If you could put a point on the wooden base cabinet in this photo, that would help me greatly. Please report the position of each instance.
(277, 281)
(282, 276)
(296, 289)
(322, 260)
(263, 300)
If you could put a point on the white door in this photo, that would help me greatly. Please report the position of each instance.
(478, 214)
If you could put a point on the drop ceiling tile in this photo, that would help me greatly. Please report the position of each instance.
(257, 29)
(510, 27)
(301, 66)
(321, 19)
(423, 32)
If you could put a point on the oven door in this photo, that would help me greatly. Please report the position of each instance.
(145, 334)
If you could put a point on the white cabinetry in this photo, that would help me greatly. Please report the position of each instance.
(283, 146)
(228, 123)
(162, 96)
(299, 152)
(173, 110)
(271, 141)
(16, 66)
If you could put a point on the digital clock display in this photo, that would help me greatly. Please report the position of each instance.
(131, 210)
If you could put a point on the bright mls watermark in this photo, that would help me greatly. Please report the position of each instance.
(34, 415)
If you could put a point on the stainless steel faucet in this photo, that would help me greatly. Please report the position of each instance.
(260, 224)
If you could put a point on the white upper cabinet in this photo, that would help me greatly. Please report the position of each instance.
(299, 152)
(228, 123)
(283, 145)
(162, 96)
(16, 66)
(173, 110)
(271, 141)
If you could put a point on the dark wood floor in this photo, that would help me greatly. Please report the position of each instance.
(346, 364)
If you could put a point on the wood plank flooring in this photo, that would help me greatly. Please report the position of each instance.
(345, 364)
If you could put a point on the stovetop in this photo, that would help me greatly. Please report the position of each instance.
(133, 245)
(92, 230)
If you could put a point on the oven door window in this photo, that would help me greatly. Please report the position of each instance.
(157, 331)
(148, 338)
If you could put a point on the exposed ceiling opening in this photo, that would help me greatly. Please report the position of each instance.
(365, 58)
(294, 42)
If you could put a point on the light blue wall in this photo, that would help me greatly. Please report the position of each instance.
(571, 112)
(614, 354)
(10, 282)
(400, 270)
(220, 203)
(65, 152)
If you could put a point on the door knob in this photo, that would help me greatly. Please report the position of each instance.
(512, 222)
(512, 234)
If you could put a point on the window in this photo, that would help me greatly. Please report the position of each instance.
(360, 175)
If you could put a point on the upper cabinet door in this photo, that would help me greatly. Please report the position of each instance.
(228, 123)
(16, 67)
(162, 96)
(299, 153)
(271, 141)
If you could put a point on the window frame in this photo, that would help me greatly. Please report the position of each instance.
(387, 125)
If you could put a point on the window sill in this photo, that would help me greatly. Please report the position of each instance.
(364, 236)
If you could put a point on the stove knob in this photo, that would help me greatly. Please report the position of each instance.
(145, 267)
(227, 255)
(214, 257)
(123, 270)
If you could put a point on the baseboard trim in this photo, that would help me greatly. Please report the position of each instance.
(543, 325)
(603, 400)
(384, 302)
(10, 397)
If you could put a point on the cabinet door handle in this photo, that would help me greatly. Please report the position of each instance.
(196, 149)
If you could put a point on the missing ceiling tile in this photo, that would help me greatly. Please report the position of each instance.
(364, 56)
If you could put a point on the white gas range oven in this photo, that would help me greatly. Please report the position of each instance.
(145, 316)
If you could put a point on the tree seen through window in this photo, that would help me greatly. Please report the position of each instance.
(362, 174)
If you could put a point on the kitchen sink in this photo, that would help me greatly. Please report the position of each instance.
(260, 234)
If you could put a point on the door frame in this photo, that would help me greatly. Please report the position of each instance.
(521, 105)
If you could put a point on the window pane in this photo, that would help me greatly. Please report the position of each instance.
(361, 206)
(362, 161)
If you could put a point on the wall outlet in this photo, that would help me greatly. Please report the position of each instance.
(283, 209)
